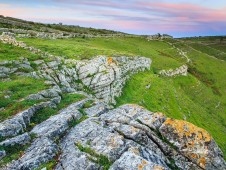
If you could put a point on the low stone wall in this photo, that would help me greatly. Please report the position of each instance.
(21, 33)
(103, 76)
(182, 70)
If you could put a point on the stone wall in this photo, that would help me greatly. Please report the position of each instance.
(103, 76)
(182, 70)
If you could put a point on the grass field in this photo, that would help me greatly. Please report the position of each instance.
(10, 52)
(12, 94)
(199, 98)
(161, 53)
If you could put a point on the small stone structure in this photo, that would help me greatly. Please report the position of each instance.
(159, 37)
(182, 70)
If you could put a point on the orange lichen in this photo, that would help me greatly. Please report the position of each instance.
(156, 167)
(192, 139)
(142, 165)
(187, 129)
(194, 156)
(202, 162)
(110, 60)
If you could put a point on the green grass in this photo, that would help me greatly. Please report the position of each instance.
(13, 92)
(200, 96)
(88, 104)
(209, 50)
(196, 96)
(45, 113)
(161, 53)
(176, 97)
(49, 165)
(99, 158)
(10, 52)
(13, 153)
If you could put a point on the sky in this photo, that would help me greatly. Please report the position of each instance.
(179, 18)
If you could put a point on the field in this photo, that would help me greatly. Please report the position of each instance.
(199, 98)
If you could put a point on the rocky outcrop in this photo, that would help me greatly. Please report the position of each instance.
(92, 135)
(193, 142)
(23, 33)
(128, 137)
(182, 70)
(103, 76)
(159, 37)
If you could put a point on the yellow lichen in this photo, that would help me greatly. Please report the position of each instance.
(110, 60)
(188, 129)
(202, 162)
(192, 138)
(142, 165)
(194, 156)
(156, 167)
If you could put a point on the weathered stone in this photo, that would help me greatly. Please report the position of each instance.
(41, 151)
(18, 123)
(193, 142)
(21, 140)
(133, 160)
(182, 70)
(2, 154)
(58, 124)
(96, 110)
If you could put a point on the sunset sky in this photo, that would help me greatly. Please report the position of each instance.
(176, 17)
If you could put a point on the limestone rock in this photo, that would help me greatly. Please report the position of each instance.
(42, 150)
(182, 70)
(193, 142)
(21, 140)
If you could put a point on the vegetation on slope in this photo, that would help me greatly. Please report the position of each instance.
(199, 98)
(161, 53)
(10, 52)
(29, 25)
(12, 94)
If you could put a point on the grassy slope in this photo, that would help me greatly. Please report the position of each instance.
(29, 25)
(16, 151)
(200, 96)
(9, 52)
(80, 48)
(13, 92)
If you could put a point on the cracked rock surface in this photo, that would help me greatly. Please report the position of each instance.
(85, 136)
(127, 137)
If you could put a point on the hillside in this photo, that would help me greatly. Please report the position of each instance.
(14, 23)
(59, 83)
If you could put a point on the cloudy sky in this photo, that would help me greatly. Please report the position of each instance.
(175, 17)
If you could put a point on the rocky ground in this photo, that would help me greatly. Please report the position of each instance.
(128, 137)
(93, 135)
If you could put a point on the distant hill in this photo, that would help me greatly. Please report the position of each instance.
(9, 22)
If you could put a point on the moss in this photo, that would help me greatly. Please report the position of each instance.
(73, 122)
(43, 114)
(16, 90)
(97, 158)
(49, 165)
(88, 104)
(172, 164)
(12, 153)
